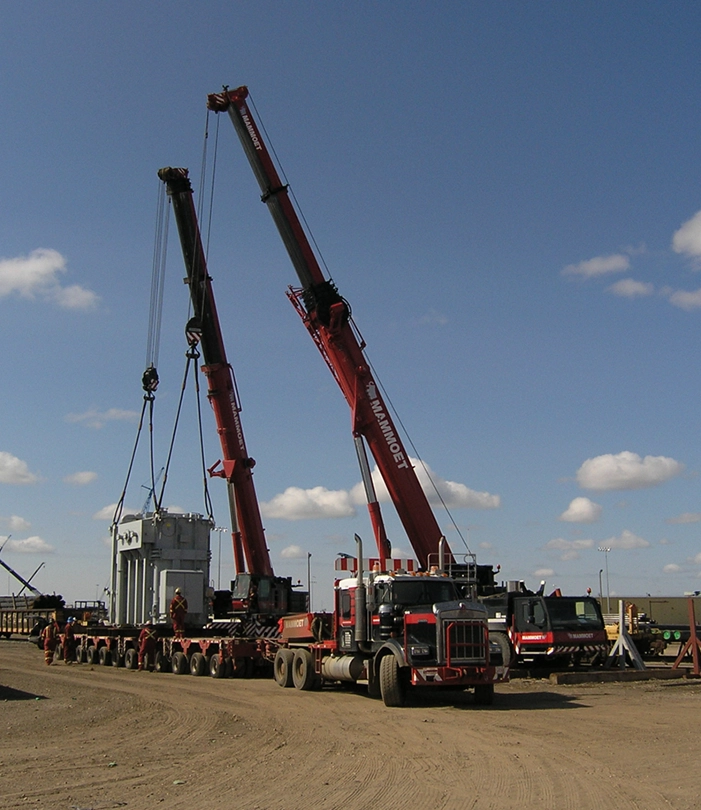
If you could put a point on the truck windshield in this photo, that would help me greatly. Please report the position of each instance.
(569, 613)
(423, 591)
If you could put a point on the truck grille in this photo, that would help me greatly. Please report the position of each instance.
(465, 642)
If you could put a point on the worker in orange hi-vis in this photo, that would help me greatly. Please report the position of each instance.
(69, 641)
(50, 636)
(147, 646)
(178, 612)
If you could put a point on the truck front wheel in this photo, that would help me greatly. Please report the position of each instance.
(391, 686)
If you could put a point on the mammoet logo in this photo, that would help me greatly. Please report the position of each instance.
(251, 130)
(386, 427)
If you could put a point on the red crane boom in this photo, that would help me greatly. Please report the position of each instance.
(250, 548)
(327, 317)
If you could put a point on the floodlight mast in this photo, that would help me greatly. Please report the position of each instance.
(327, 317)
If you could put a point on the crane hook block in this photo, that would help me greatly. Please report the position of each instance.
(149, 381)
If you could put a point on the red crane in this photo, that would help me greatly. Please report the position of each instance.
(327, 317)
(250, 549)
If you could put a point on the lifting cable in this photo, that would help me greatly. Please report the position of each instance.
(149, 379)
(192, 356)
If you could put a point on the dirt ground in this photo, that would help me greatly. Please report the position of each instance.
(84, 737)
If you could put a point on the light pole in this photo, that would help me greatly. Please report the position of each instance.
(606, 550)
(601, 592)
(219, 529)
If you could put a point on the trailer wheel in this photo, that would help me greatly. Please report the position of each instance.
(502, 641)
(198, 664)
(104, 656)
(303, 675)
(131, 658)
(217, 667)
(79, 655)
(58, 652)
(162, 663)
(93, 658)
(484, 694)
(391, 685)
(282, 667)
(179, 664)
(117, 659)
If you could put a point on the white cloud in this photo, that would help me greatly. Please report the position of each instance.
(598, 266)
(570, 548)
(672, 568)
(543, 572)
(630, 288)
(81, 478)
(293, 553)
(38, 275)
(107, 512)
(686, 517)
(687, 239)
(31, 545)
(433, 318)
(697, 559)
(308, 504)
(18, 524)
(14, 471)
(582, 510)
(454, 494)
(625, 541)
(686, 300)
(626, 470)
(96, 419)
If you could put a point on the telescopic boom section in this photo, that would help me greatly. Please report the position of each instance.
(327, 317)
(247, 528)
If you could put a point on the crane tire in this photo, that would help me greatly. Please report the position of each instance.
(391, 685)
(502, 640)
(282, 667)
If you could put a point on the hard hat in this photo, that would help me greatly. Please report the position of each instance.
(177, 590)
(70, 620)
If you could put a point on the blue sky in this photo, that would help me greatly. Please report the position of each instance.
(507, 193)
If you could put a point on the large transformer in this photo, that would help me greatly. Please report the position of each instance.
(154, 554)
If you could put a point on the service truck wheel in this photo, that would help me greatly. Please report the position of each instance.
(391, 685)
(282, 667)
(303, 675)
(104, 656)
(179, 663)
(131, 658)
(502, 641)
(198, 664)
(93, 657)
(484, 694)
(217, 667)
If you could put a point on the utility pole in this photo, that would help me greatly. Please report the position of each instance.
(309, 581)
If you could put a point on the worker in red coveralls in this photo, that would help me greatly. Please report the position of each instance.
(50, 636)
(69, 641)
(147, 646)
(178, 612)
